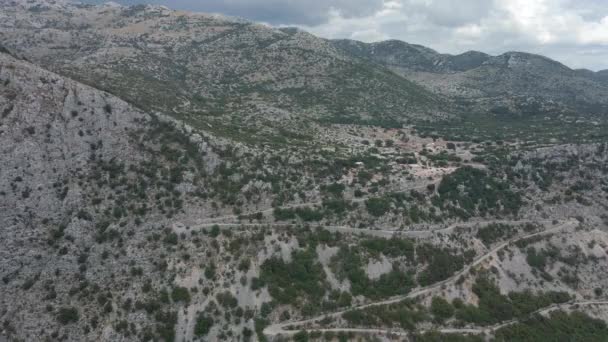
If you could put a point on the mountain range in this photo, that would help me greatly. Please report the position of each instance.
(514, 82)
(174, 176)
(210, 70)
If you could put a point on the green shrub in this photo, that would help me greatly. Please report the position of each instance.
(405, 314)
(301, 336)
(442, 264)
(335, 189)
(306, 214)
(166, 327)
(494, 232)
(210, 271)
(483, 194)
(289, 283)
(203, 325)
(394, 247)
(441, 308)
(348, 264)
(434, 336)
(227, 300)
(215, 231)
(495, 307)
(309, 214)
(559, 326)
(534, 259)
(338, 206)
(284, 214)
(259, 325)
(180, 294)
(171, 239)
(67, 315)
(378, 206)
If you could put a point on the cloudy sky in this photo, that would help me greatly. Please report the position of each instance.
(574, 32)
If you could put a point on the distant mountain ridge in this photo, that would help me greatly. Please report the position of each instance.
(421, 58)
(213, 71)
(414, 57)
(243, 79)
(172, 176)
(513, 82)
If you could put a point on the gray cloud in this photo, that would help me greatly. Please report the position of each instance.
(574, 32)
(449, 13)
(276, 12)
(588, 9)
(308, 12)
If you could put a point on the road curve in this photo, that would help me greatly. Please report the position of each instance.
(477, 331)
(279, 328)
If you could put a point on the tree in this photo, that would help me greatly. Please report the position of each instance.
(441, 308)
(67, 315)
(301, 336)
(377, 206)
(203, 325)
(180, 294)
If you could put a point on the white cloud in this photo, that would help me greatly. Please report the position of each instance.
(570, 31)
(470, 32)
(595, 33)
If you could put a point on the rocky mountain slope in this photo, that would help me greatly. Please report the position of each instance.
(74, 152)
(412, 57)
(513, 83)
(247, 81)
(198, 187)
(210, 70)
(114, 228)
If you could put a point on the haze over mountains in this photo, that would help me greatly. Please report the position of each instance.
(172, 176)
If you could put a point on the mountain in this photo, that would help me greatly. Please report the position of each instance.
(601, 76)
(247, 81)
(513, 83)
(71, 155)
(398, 54)
(168, 176)
(210, 70)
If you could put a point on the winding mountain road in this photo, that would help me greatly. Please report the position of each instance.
(386, 233)
(294, 206)
(280, 328)
(476, 331)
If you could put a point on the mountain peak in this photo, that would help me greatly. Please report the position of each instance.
(518, 59)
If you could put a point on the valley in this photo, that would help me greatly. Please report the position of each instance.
(175, 176)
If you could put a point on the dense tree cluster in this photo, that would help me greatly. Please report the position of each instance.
(469, 191)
